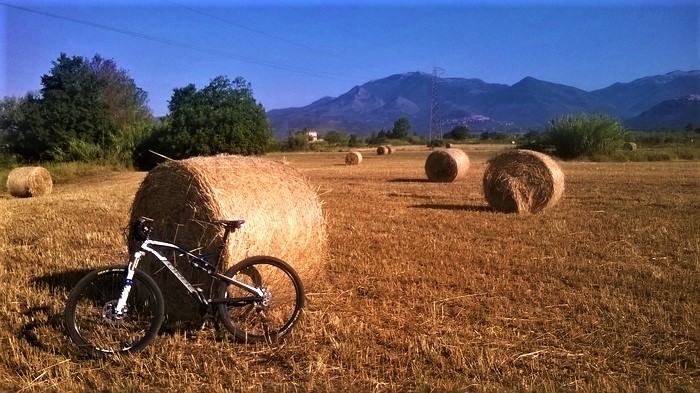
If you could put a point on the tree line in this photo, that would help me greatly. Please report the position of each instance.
(89, 109)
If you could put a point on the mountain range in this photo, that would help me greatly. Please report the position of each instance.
(668, 101)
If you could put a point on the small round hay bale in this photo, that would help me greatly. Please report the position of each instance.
(389, 149)
(448, 145)
(629, 146)
(446, 165)
(353, 158)
(282, 212)
(29, 181)
(381, 150)
(522, 181)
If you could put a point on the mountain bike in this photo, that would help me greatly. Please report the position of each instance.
(119, 309)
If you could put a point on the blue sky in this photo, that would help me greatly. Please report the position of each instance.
(295, 52)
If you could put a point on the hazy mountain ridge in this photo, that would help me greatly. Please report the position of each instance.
(674, 113)
(528, 104)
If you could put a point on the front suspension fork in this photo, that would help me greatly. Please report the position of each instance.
(130, 271)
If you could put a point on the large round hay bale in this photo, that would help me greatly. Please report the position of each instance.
(444, 165)
(282, 212)
(523, 181)
(389, 149)
(353, 158)
(381, 150)
(29, 181)
(629, 146)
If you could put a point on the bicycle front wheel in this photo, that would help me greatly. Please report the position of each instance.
(92, 322)
(268, 315)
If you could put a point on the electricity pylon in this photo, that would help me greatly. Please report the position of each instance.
(435, 119)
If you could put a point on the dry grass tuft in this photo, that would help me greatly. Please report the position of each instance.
(29, 181)
(446, 165)
(282, 212)
(353, 158)
(523, 181)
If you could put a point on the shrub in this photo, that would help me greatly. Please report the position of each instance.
(577, 136)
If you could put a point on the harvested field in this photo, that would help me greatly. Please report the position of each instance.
(427, 289)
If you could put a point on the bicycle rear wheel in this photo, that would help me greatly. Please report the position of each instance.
(91, 321)
(268, 318)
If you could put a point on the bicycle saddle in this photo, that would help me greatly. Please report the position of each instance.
(235, 224)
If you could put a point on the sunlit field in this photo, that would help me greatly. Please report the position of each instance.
(428, 289)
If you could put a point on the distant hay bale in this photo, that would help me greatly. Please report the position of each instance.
(353, 158)
(448, 145)
(282, 212)
(389, 149)
(381, 150)
(29, 181)
(629, 146)
(522, 181)
(446, 165)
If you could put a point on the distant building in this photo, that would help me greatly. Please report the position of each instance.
(312, 136)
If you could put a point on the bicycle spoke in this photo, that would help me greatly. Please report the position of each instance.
(271, 316)
(93, 323)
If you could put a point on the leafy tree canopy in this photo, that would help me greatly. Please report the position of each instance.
(402, 127)
(459, 133)
(336, 138)
(126, 102)
(223, 117)
(82, 112)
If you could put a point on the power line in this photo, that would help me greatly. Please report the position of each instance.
(179, 44)
(281, 39)
(265, 34)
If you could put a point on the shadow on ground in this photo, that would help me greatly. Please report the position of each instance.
(455, 207)
(44, 326)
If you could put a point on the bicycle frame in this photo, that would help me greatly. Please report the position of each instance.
(194, 260)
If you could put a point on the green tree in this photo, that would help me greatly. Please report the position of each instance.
(297, 141)
(336, 138)
(126, 102)
(223, 117)
(85, 110)
(127, 105)
(73, 111)
(577, 136)
(401, 129)
(458, 133)
(68, 121)
(15, 118)
(353, 141)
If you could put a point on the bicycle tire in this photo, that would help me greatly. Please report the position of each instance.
(91, 324)
(268, 320)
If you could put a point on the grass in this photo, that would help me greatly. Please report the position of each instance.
(428, 289)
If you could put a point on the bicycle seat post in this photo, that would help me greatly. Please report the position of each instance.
(229, 226)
